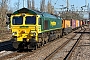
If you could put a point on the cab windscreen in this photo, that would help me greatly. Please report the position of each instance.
(17, 20)
(30, 20)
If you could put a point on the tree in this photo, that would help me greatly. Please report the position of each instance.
(3, 11)
(50, 7)
(70, 15)
(33, 5)
(29, 4)
(42, 6)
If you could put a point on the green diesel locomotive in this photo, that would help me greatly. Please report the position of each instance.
(32, 29)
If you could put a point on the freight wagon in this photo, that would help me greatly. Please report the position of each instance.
(66, 25)
(73, 24)
(80, 23)
(77, 24)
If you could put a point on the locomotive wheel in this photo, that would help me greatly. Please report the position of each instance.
(32, 44)
(21, 46)
(16, 45)
(45, 42)
(42, 43)
(38, 45)
(60, 36)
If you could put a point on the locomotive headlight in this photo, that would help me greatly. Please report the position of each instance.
(33, 33)
(14, 33)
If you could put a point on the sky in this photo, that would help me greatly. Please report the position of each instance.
(77, 3)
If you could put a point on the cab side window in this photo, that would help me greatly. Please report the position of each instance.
(40, 21)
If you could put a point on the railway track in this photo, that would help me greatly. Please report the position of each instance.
(68, 56)
(83, 49)
(54, 53)
(38, 54)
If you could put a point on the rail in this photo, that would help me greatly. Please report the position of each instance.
(73, 48)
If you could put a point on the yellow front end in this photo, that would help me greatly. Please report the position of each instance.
(25, 31)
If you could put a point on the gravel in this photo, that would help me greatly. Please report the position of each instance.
(82, 52)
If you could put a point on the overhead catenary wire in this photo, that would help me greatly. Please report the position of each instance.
(55, 2)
